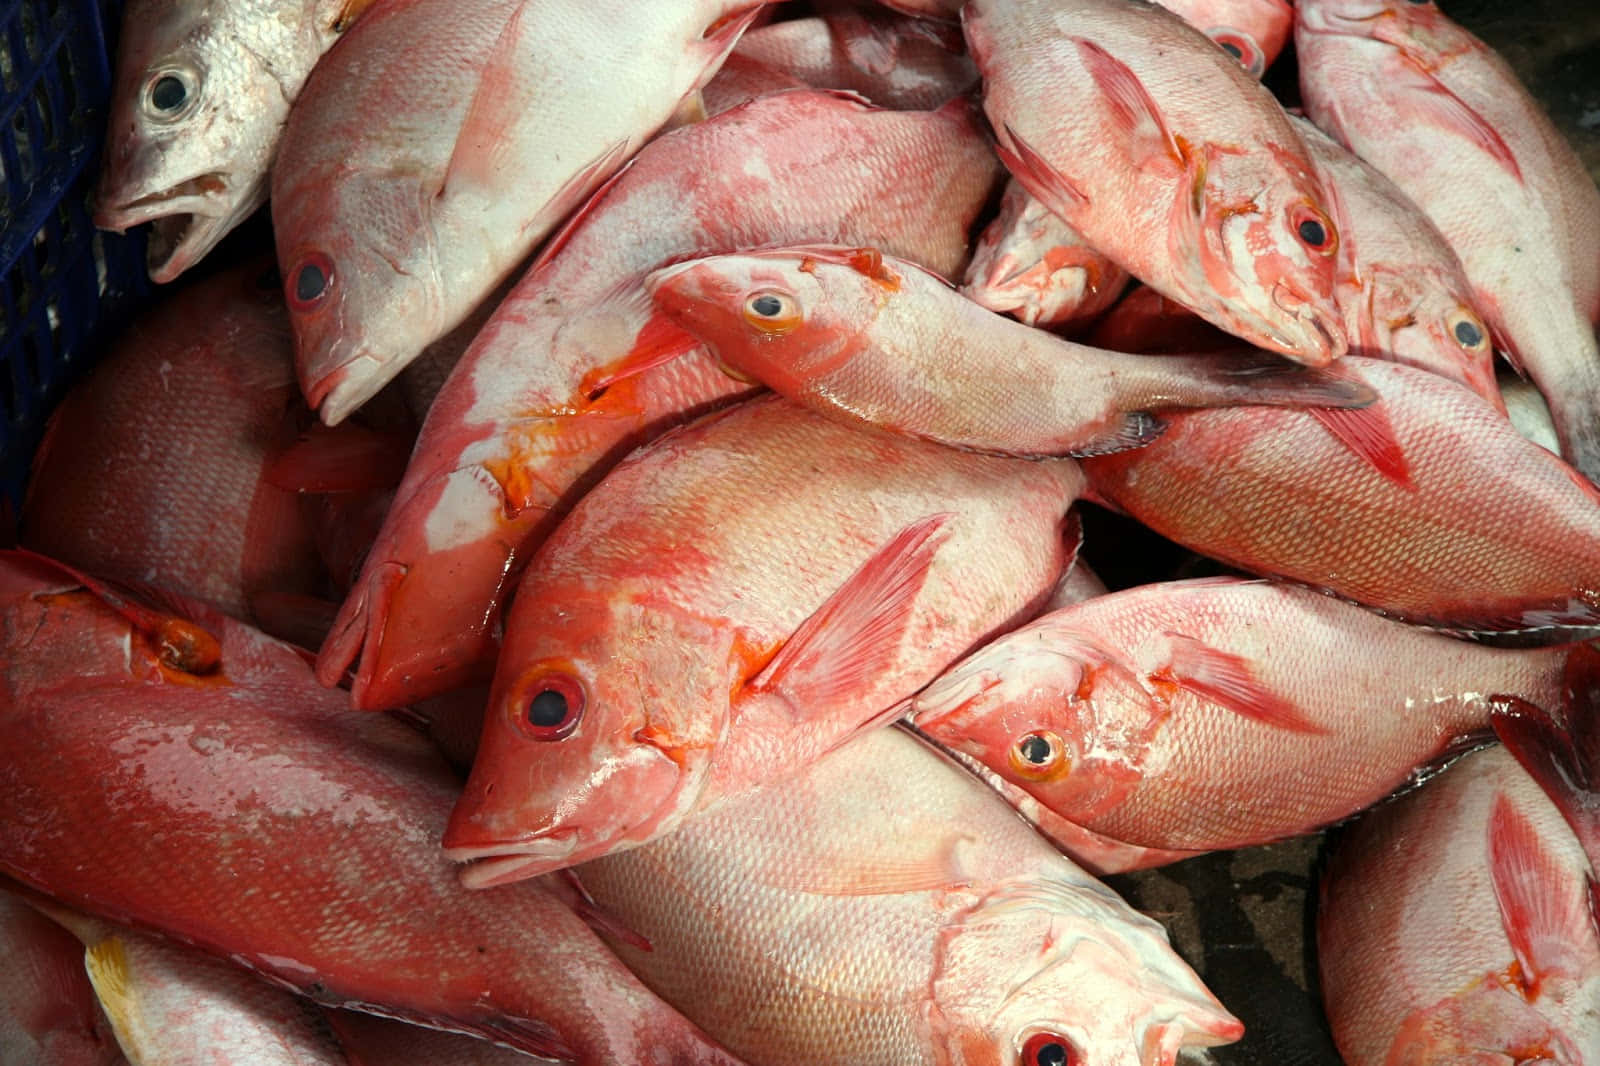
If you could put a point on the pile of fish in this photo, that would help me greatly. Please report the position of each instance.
(607, 588)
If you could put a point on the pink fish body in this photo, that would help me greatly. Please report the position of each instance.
(369, 1040)
(1401, 287)
(1430, 508)
(730, 603)
(514, 438)
(1445, 118)
(1252, 31)
(435, 147)
(868, 338)
(1455, 927)
(238, 806)
(925, 926)
(1172, 161)
(1219, 713)
(48, 1012)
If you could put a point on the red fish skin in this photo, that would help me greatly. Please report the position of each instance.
(1412, 944)
(1253, 31)
(512, 440)
(1492, 533)
(661, 599)
(1439, 112)
(152, 469)
(48, 1012)
(246, 812)
(1179, 166)
(1154, 763)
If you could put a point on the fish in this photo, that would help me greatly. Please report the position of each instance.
(1427, 506)
(1435, 109)
(1031, 264)
(155, 469)
(1401, 287)
(199, 100)
(1173, 162)
(1251, 31)
(369, 1040)
(433, 149)
(926, 925)
(239, 807)
(1146, 322)
(869, 338)
(1219, 713)
(514, 438)
(171, 1005)
(1455, 925)
(729, 603)
(48, 1012)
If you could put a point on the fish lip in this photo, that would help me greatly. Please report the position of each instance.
(339, 392)
(207, 194)
(487, 865)
(1321, 337)
(190, 218)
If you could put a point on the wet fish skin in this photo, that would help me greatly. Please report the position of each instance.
(1440, 514)
(1419, 911)
(239, 807)
(514, 438)
(1218, 713)
(1177, 164)
(198, 104)
(674, 643)
(48, 1013)
(1443, 116)
(418, 169)
(1252, 31)
(869, 338)
(927, 926)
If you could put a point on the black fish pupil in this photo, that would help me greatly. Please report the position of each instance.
(766, 305)
(1468, 335)
(1051, 1054)
(547, 709)
(1312, 233)
(309, 283)
(1233, 49)
(1036, 749)
(168, 93)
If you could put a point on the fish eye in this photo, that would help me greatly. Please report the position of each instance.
(1315, 231)
(548, 705)
(1048, 1049)
(171, 93)
(771, 311)
(1039, 755)
(1468, 330)
(1241, 47)
(309, 281)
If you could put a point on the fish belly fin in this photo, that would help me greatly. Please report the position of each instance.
(1150, 143)
(858, 628)
(1369, 435)
(1551, 756)
(482, 148)
(343, 458)
(1426, 101)
(660, 341)
(566, 884)
(1227, 679)
(1132, 429)
(1544, 909)
(1046, 184)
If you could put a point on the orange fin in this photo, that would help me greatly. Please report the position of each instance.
(484, 150)
(857, 628)
(343, 458)
(1046, 184)
(1545, 911)
(1226, 678)
(1553, 756)
(660, 341)
(1427, 102)
(1136, 114)
(1369, 435)
(565, 883)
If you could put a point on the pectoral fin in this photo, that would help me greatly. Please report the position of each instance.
(1227, 679)
(1134, 112)
(1544, 908)
(1370, 436)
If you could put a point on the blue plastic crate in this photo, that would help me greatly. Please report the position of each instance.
(64, 286)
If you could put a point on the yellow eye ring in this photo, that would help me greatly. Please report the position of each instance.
(1468, 330)
(772, 311)
(1039, 755)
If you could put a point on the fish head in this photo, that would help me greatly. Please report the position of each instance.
(1419, 316)
(1051, 969)
(1268, 242)
(786, 317)
(1051, 712)
(597, 736)
(361, 287)
(1391, 21)
(193, 124)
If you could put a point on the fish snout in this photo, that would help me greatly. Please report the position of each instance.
(1314, 331)
(488, 865)
(337, 393)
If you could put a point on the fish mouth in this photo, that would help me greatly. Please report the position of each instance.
(188, 218)
(355, 381)
(488, 865)
(1316, 336)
